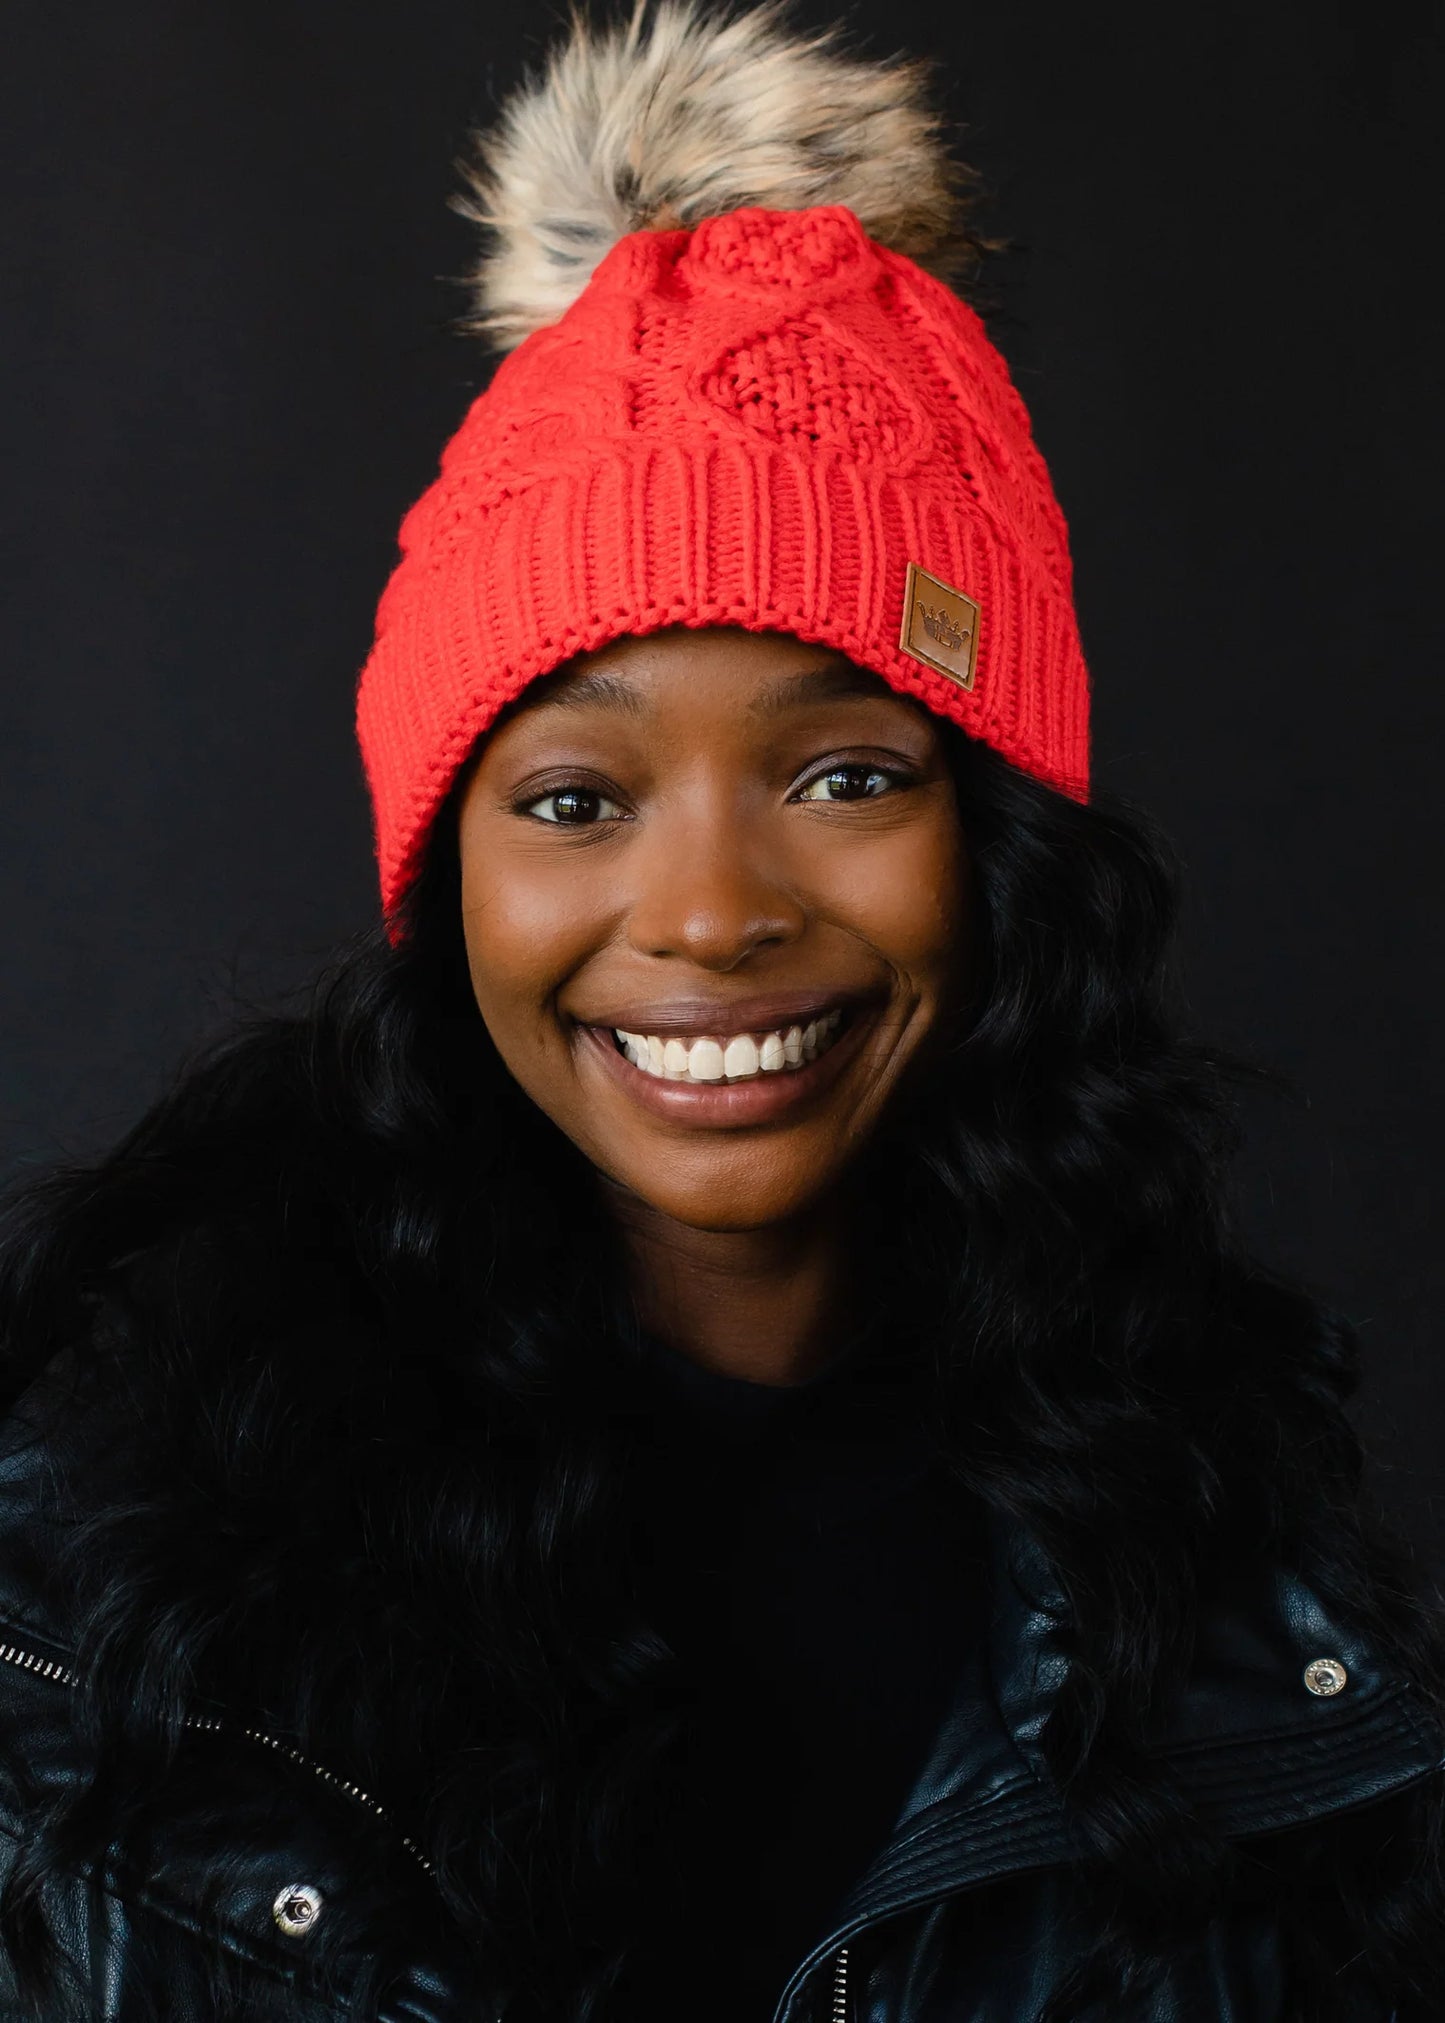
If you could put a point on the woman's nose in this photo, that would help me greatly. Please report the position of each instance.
(704, 894)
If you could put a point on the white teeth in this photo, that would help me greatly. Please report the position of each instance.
(741, 1058)
(737, 1058)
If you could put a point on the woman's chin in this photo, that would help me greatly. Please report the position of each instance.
(733, 1198)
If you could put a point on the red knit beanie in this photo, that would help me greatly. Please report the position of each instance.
(770, 420)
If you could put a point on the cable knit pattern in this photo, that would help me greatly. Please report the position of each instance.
(758, 423)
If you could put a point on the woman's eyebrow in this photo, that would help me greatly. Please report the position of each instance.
(838, 681)
(599, 689)
(835, 681)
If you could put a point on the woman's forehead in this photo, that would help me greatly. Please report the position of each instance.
(764, 674)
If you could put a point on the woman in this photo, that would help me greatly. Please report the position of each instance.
(692, 1438)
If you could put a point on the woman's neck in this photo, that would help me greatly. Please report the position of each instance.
(761, 1304)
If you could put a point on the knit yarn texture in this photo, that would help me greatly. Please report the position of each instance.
(761, 422)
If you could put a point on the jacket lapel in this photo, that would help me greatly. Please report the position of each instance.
(1248, 1741)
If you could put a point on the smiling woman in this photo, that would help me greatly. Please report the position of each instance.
(693, 1438)
(715, 898)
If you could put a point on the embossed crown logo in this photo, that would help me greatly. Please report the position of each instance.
(938, 625)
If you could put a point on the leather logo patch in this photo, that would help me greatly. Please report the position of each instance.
(940, 626)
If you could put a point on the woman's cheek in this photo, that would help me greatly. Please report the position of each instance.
(907, 895)
(531, 924)
(529, 929)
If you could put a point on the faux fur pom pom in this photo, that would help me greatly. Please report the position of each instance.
(680, 114)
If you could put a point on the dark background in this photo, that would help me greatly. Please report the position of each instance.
(230, 369)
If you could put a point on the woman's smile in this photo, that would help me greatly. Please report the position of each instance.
(731, 1069)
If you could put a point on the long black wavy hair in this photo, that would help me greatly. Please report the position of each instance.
(346, 1285)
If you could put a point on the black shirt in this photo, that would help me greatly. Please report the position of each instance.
(818, 1579)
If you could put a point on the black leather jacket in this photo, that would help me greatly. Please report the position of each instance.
(962, 1917)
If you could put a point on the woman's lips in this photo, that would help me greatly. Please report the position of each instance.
(694, 1016)
(761, 1097)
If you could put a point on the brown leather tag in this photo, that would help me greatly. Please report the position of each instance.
(940, 626)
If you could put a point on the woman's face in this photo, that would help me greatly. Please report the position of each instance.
(715, 895)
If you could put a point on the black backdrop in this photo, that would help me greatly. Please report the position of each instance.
(231, 369)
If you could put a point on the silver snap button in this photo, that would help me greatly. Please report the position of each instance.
(296, 1909)
(1326, 1676)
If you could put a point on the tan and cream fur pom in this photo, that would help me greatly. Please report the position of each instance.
(681, 113)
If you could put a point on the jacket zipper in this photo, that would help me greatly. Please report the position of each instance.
(839, 2011)
(62, 1675)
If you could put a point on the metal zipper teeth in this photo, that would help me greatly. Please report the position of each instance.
(50, 1668)
(840, 1987)
(45, 1668)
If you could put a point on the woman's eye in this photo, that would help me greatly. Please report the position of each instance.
(847, 783)
(574, 806)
